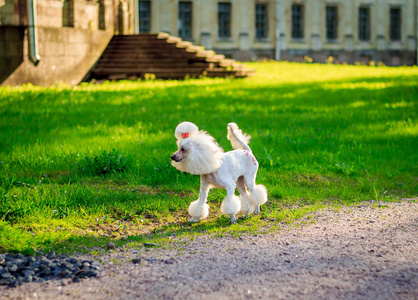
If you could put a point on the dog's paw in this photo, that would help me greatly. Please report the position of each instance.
(193, 220)
(257, 210)
(246, 215)
(233, 219)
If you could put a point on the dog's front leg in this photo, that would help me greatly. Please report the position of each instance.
(199, 209)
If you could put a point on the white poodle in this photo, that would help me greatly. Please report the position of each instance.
(199, 154)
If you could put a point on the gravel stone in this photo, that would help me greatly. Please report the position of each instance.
(51, 255)
(28, 272)
(90, 273)
(6, 275)
(110, 246)
(29, 260)
(72, 260)
(14, 283)
(12, 268)
(64, 274)
(136, 260)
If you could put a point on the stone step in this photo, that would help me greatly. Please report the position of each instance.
(165, 56)
(151, 70)
(132, 60)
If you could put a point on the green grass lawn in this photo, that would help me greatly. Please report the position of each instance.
(80, 166)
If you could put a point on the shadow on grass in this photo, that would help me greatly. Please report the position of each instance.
(161, 235)
(294, 119)
(46, 115)
(165, 232)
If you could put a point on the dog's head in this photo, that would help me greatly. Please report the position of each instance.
(184, 148)
(198, 153)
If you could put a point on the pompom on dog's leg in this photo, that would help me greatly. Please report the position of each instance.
(258, 195)
(199, 209)
(231, 205)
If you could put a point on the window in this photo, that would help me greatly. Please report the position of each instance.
(224, 20)
(144, 8)
(364, 24)
(297, 21)
(261, 21)
(185, 19)
(102, 20)
(68, 13)
(395, 24)
(331, 17)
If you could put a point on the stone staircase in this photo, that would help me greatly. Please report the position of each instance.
(164, 56)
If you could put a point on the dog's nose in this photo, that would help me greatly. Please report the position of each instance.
(173, 157)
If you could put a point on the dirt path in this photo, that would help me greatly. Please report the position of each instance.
(357, 253)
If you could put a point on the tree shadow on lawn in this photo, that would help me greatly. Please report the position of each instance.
(267, 106)
(122, 232)
(161, 235)
(318, 122)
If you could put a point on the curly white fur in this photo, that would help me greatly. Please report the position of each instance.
(198, 211)
(232, 206)
(198, 153)
(238, 139)
(204, 155)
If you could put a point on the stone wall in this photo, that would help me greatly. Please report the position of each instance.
(67, 53)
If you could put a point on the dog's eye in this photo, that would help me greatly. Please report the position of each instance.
(182, 149)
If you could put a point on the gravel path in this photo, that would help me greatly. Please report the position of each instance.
(358, 252)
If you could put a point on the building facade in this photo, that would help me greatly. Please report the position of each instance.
(45, 41)
(348, 30)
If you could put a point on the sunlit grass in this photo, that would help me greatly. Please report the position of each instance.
(323, 134)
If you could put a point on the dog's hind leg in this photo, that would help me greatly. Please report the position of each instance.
(258, 193)
(247, 206)
(199, 209)
(231, 205)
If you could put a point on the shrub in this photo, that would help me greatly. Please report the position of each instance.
(108, 162)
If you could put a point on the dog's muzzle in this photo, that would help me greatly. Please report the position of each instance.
(173, 157)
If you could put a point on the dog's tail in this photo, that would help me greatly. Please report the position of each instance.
(238, 139)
